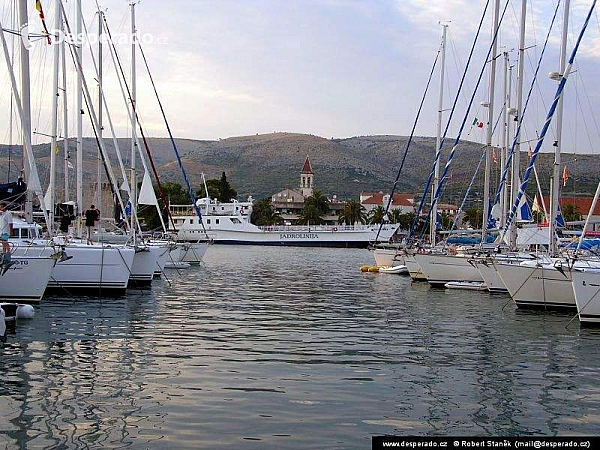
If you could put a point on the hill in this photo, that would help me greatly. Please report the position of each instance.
(263, 164)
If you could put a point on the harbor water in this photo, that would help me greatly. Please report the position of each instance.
(267, 347)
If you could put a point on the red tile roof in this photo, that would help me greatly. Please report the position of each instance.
(307, 167)
(398, 200)
(582, 204)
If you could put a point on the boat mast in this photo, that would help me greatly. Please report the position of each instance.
(65, 121)
(505, 136)
(436, 176)
(79, 90)
(559, 118)
(490, 124)
(133, 185)
(54, 118)
(26, 106)
(100, 126)
(516, 160)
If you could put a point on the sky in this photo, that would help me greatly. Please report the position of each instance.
(333, 68)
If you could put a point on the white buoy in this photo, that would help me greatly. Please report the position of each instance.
(25, 312)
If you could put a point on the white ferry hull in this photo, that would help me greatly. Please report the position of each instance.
(294, 236)
(441, 269)
(27, 279)
(539, 287)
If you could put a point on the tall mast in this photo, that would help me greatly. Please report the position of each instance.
(65, 122)
(99, 162)
(133, 187)
(54, 118)
(26, 106)
(490, 124)
(559, 116)
(436, 176)
(505, 135)
(79, 89)
(505, 197)
(516, 160)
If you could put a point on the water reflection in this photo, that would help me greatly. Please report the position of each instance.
(290, 348)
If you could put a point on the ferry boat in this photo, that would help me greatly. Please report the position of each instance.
(229, 223)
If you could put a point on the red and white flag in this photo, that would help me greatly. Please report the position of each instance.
(565, 176)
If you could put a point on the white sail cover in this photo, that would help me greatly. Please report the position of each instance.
(147, 195)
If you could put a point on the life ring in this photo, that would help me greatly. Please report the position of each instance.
(334, 229)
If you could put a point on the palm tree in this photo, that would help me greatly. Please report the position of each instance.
(473, 216)
(405, 220)
(264, 213)
(377, 215)
(315, 207)
(310, 215)
(352, 213)
(570, 213)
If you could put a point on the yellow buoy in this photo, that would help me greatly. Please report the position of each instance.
(373, 269)
(364, 268)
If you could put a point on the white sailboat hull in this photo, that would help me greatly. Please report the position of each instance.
(586, 288)
(490, 277)
(414, 270)
(388, 257)
(441, 269)
(145, 262)
(537, 286)
(189, 252)
(27, 279)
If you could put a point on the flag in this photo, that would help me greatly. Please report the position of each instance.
(530, 152)
(56, 149)
(480, 125)
(565, 176)
(38, 6)
(128, 209)
(494, 156)
(475, 122)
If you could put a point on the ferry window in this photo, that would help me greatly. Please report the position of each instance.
(222, 208)
(217, 221)
(191, 221)
(15, 232)
(208, 221)
(235, 220)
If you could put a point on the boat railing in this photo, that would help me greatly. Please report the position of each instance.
(312, 228)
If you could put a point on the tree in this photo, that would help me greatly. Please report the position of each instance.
(446, 221)
(403, 219)
(264, 213)
(226, 192)
(377, 215)
(175, 194)
(352, 213)
(218, 188)
(538, 216)
(474, 217)
(315, 207)
(311, 215)
(570, 213)
(213, 189)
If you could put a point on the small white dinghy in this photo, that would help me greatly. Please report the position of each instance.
(398, 270)
(177, 265)
(467, 285)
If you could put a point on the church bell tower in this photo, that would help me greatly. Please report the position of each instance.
(307, 178)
